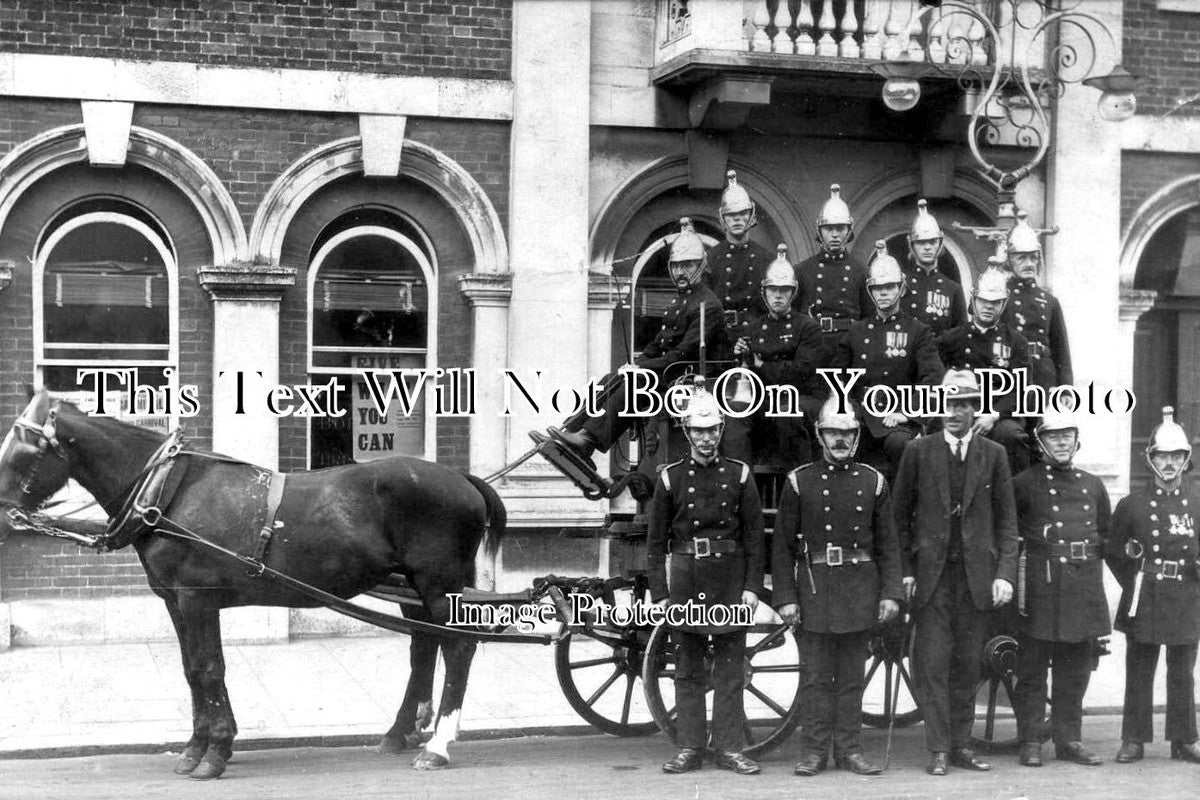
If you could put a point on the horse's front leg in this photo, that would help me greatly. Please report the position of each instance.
(458, 655)
(416, 711)
(204, 666)
(193, 751)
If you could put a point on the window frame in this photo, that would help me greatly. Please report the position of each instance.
(430, 272)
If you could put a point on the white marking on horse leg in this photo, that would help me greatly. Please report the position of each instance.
(446, 732)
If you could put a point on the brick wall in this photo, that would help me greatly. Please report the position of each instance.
(1143, 174)
(410, 37)
(1163, 49)
(247, 150)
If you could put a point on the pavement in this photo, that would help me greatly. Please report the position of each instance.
(132, 698)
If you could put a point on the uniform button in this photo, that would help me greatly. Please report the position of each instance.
(691, 490)
(1054, 491)
(1054, 508)
(724, 504)
(825, 492)
(1154, 533)
(718, 555)
(828, 527)
(1153, 503)
(1086, 507)
(724, 485)
(857, 528)
(820, 275)
(870, 327)
(1154, 517)
(1063, 559)
(1058, 524)
(858, 508)
(1155, 549)
(691, 472)
(827, 508)
(691, 505)
(696, 523)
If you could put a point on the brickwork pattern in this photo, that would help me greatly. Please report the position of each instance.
(399, 37)
(1163, 49)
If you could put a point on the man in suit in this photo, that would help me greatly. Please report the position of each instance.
(1154, 552)
(1063, 514)
(707, 514)
(835, 522)
(957, 526)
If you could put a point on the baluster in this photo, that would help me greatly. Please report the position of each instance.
(875, 13)
(957, 38)
(848, 47)
(826, 44)
(762, 19)
(805, 46)
(979, 46)
(914, 48)
(936, 47)
(896, 25)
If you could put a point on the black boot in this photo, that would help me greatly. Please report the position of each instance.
(1130, 752)
(1186, 751)
(1031, 754)
(686, 760)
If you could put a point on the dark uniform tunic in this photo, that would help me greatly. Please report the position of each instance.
(735, 275)
(677, 340)
(789, 346)
(934, 299)
(833, 286)
(999, 347)
(824, 507)
(719, 502)
(1036, 315)
(1168, 611)
(1063, 516)
(898, 351)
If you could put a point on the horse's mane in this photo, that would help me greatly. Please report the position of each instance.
(110, 426)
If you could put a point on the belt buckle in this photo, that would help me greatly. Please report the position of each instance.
(826, 324)
(1079, 551)
(1170, 569)
(833, 555)
(702, 546)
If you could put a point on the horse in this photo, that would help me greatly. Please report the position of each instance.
(341, 530)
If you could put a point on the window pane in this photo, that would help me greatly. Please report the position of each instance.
(105, 283)
(370, 293)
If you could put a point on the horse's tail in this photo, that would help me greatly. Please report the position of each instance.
(497, 515)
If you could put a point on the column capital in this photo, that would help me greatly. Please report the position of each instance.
(605, 292)
(1135, 302)
(246, 281)
(486, 288)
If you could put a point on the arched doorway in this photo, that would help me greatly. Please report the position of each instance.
(1166, 347)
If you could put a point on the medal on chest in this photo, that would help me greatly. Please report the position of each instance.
(937, 304)
(897, 344)
(1001, 354)
(1181, 525)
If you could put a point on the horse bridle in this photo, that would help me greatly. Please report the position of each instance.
(47, 441)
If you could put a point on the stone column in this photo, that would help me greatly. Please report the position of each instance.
(1083, 197)
(605, 293)
(1134, 303)
(548, 235)
(246, 301)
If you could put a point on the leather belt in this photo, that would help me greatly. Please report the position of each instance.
(1038, 350)
(1070, 551)
(831, 324)
(703, 547)
(835, 556)
(1165, 569)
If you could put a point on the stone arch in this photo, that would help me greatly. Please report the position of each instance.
(420, 162)
(1151, 216)
(968, 186)
(35, 158)
(671, 172)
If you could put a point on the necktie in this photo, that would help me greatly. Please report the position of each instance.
(958, 450)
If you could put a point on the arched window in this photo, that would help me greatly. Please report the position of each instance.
(106, 296)
(371, 307)
(653, 289)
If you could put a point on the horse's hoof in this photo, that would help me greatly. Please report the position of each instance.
(428, 760)
(389, 745)
(185, 764)
(209, 769)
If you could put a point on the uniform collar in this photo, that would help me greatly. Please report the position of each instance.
(715, 462)
(841, 255)
(1024, 283)
(786, 316)
(980, 329)
(889, 318)
(830, 466)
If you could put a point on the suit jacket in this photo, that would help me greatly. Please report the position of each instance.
(921, 503)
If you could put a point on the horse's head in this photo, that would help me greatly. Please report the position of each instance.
(33, 463)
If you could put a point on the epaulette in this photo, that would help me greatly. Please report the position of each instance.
(792, 475)
(746, 471)
(880, 481)
(664, 472)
